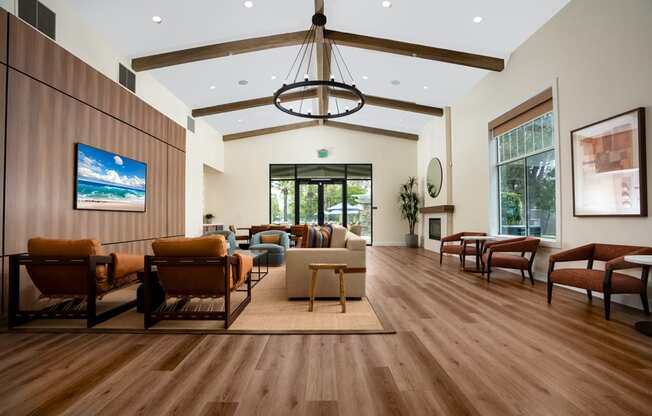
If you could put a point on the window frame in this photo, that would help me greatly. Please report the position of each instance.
(494, 219)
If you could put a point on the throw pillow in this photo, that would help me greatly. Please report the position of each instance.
(270, 239)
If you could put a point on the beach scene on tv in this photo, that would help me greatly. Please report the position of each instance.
(107, 181)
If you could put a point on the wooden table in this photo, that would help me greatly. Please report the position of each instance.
(644, 327)
(480, 241)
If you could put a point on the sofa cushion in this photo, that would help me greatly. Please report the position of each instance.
(594, 280)
(338, 238)
(354, 242)
(270, 238)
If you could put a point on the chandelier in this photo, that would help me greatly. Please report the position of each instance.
(298, 86)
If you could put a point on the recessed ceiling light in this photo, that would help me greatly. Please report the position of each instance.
(425, 87)
(387, 4)
(240, 120)
(157, 19)
(248, 4)
(395, 82)
(365, 77)
(477, 19)
(273, 77)
(243, 82)
(212, 87)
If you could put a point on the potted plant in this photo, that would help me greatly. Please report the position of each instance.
(209, 218)
(409, 204)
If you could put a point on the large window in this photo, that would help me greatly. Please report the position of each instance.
(527, 179)
(322, 193)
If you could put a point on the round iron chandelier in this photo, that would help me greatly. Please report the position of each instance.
(347, 98)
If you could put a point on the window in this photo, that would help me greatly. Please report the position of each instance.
(527, 179)
(127, 78)
(39, 16)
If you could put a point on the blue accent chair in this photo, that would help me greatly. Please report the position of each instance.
(276, 251)
(230, 239)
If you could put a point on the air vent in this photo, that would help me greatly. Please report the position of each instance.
(39, 16)
(127, 79)
(190, 125)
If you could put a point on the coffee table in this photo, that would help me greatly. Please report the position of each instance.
(480, 241)
(257, 255)
(644, 327)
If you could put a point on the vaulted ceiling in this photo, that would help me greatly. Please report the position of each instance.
(128, 25)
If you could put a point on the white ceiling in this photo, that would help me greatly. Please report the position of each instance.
(440, 23)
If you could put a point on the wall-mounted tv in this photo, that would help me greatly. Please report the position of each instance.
(106, 181)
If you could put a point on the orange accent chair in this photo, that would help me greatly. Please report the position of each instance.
(606, 281)
(500, 254)
(71, 272)
(189, 268)
(462, 249)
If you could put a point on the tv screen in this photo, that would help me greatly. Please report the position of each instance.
(109, 182)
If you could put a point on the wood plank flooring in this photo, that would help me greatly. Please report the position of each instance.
(463, 347)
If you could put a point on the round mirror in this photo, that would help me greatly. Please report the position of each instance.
(434, 177)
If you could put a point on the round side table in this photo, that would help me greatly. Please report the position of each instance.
(644, 327)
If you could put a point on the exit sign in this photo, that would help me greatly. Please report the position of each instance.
(322, 153)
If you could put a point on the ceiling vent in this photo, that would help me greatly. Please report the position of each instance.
(190, 124)
(39, 16)
(127, 79)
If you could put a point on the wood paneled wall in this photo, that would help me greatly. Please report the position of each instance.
(54, 100)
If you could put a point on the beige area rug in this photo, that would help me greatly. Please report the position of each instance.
(270, 312)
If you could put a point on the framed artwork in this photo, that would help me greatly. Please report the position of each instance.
(609, 167)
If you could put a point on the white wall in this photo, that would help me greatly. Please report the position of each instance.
(599, 50)
(245, 182)
(203, 147)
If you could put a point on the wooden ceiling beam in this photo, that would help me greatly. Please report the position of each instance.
(269, 130)
(372, 130)
(391, 103)
(313, 93)
(415, 50)
(218, 50)
(256, 102)
(312, 123)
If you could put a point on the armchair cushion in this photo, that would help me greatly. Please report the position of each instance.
(508, 261)
(125, 267)
(575, 254)
(457, 249)
(594, 280)
(69, 280)
(523, 245)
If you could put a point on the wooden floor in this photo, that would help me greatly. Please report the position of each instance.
(463, 347)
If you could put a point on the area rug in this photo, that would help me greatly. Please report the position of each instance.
(270, 312)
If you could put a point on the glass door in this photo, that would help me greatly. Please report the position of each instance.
(333, 203)
(308, 203)
(321, 202)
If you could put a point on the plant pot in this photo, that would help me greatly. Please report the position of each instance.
(412, 240)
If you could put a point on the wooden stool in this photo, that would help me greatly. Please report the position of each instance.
(339, 269)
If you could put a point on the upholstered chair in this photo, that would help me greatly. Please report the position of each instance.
(275, 242)
(511, 254)
(453, 244)
(230, 238)
(189, 268)
(607, 281)
(71, 272)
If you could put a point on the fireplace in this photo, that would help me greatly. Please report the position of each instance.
(434, 228)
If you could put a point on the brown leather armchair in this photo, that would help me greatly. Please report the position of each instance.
(462, 249)
(500, 254)
(606, 281)
(189, 268)
(68, 273)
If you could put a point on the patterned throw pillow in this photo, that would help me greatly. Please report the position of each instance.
(319, 237)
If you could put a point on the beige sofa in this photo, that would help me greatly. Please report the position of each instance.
(346, 248)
